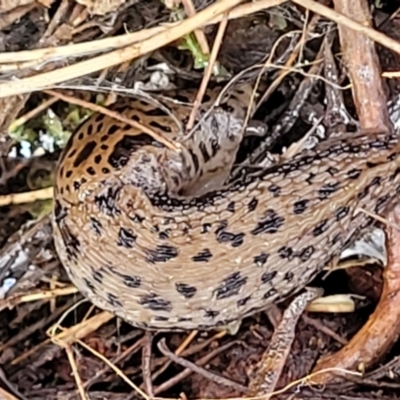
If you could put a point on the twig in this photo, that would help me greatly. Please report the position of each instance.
(208, 72)
(264, 377)
(27, 197)
(362, 62)
(200, 36)
(186, 372)
(115, 115)
(75, 372)
(118, 371)
(7, 396)
(333, 15)
(195, 368)
(146, 363)
(290, 62)
(101, 45)
(130, 350)
(116, 57)
(369, 344)
(29, 115)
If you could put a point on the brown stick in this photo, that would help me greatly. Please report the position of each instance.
(379, 333)
(363, 66)
(383, 327)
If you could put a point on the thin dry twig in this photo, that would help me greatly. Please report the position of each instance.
(201, 371)
(26, 197)
(8, 396)
(317, 324)
(117, 116)
(23, 334)
(130, 350)
(307, 30)
(23, 119)
(146, 363)
(118, 371)
(37, 296)
(45, 55)
(202, 361)
(207, 72)
(75, 372)
(200, 36)
(116, 57)
(341, 19)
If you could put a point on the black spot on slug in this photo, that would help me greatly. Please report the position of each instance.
(306, 253)
(96, 226)
(112, 129)
(252, 204)
(230, 286)
(59, 212)
(97, 276)
(155, 302)
(126, 238)
(231, 206)
(71, 242)
(286, 252)
(187, 291)
(242, 302)
(275, 190)
(113, 300)
(84, 154)
(271, 292)
(204, 152)
(354, 173)
(320, 228)
(211, 313)
(327, 190)
(202, 256)
(268, 276)
(162, 253)
(342, 212)
(131, 281)
(269, 223)
(300, 206)
(236, 239)
(261, 259)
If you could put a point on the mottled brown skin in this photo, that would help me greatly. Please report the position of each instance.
(134, 247)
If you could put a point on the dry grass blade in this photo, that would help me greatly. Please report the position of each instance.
(31, 114)
(207, 73)
(341, 19)
(101, 45)
(200, 36)
(95, 64)
(6, 396)
(116, 116)
(37, 296)
(27, 197)
(75, 372)
(115, 369)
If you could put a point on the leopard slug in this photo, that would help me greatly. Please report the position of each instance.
(157, 238)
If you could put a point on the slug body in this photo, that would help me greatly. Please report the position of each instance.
(154, 236)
